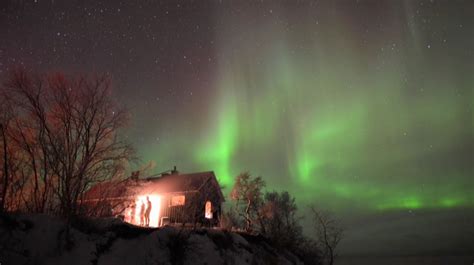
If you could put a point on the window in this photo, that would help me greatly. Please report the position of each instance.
(177, 200)
(208, 210)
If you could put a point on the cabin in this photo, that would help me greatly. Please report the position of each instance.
(168, 198)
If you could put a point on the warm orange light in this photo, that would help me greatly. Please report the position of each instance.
(137, 214)
(208, 210)
(177, 200)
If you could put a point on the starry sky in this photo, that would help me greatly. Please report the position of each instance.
(362, 107)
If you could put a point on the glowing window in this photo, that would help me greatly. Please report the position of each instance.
(208, 210)
(177, 200)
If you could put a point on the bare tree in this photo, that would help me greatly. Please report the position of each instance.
(5, 173)
(12, 181)
(247, 193)
(278, 220)
(5, 119)
(229, 219)
(328, 234)
(68, 128)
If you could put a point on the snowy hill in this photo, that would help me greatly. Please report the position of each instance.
(40, 239)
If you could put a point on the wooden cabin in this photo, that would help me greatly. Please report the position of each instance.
(173, 198)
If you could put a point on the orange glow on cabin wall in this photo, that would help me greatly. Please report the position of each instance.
(134, 216)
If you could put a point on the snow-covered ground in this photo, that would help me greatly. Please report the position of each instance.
(41, 239)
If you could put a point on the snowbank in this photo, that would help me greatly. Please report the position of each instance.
(40, 239)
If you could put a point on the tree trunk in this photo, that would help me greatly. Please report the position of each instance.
(5, 170)
(247, 216)
(331, 256)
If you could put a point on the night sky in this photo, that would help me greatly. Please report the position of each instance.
(362, 107)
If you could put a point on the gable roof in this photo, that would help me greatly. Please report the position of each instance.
(110, 189)
(160, 184)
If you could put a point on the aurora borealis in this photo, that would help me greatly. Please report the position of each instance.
(337, 109)
(362, 106)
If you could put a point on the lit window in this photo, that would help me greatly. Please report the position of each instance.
(208, 213)
(177, 200)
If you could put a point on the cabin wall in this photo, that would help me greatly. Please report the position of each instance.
(192, 212)
(170, 214)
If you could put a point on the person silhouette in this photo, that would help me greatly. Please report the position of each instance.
(141, 212)
(148, 211)
(133, 208)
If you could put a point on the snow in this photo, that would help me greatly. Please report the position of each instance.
(41, 239)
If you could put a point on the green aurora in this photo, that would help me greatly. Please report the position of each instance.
(336, 110)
